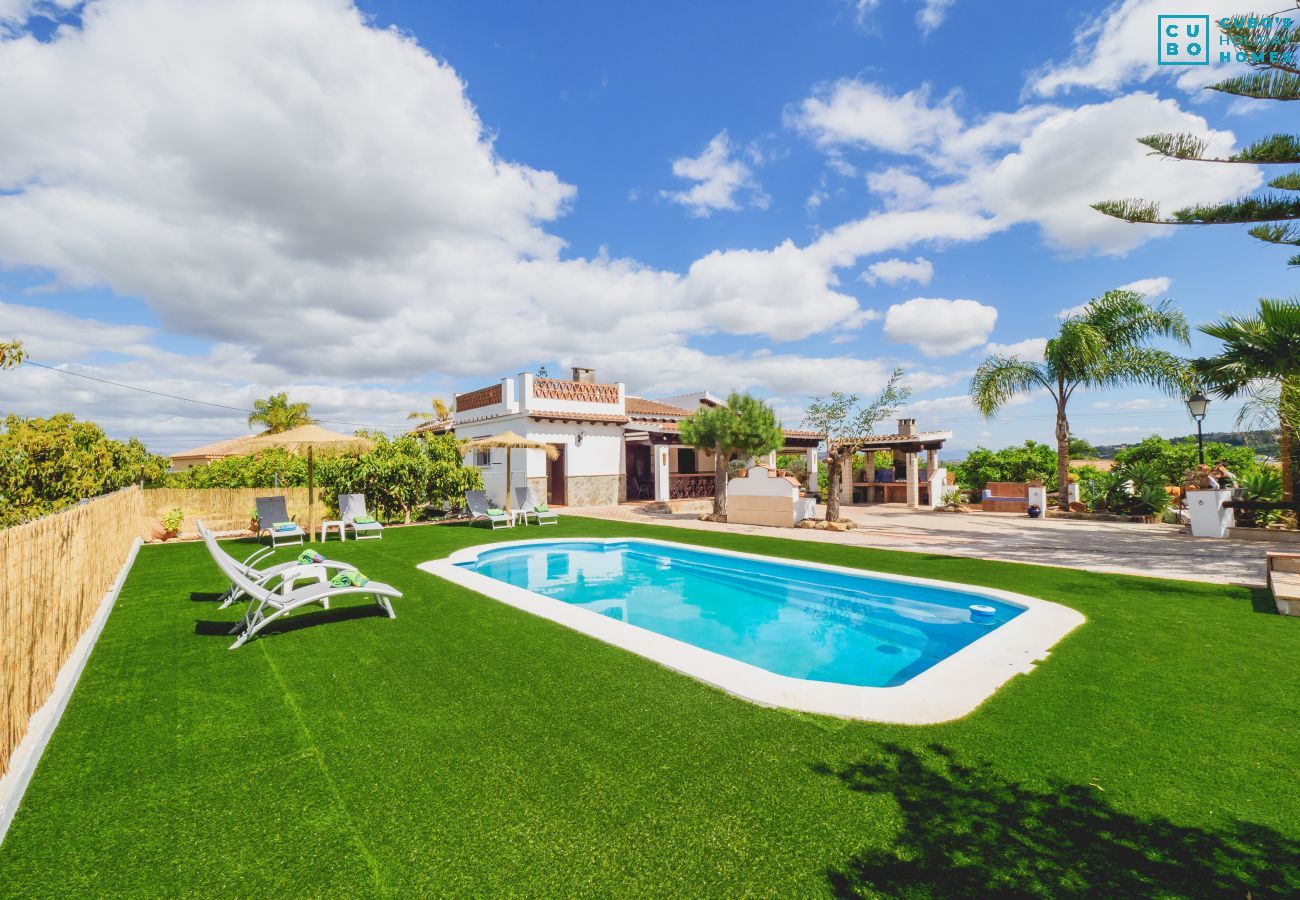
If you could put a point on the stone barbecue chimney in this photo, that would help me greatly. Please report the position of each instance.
(584, 376)
(906, 427)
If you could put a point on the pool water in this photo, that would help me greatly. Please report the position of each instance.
(787, 619)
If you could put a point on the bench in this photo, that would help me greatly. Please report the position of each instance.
(1005, 496)
(1284, 582)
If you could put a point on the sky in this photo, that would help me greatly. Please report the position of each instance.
(369, 205)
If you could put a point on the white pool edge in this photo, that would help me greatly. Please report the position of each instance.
(948, 690)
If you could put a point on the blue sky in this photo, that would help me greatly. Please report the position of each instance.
(366, 206)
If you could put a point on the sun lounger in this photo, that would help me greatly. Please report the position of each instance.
(273, 519)
(526, 503)
(1284, 582)
(268, 604)
(479, 509)
(352, 510)
(267, 577)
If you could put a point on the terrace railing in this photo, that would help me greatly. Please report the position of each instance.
(690, 487)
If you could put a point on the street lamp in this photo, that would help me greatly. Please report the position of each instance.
(1197, 405)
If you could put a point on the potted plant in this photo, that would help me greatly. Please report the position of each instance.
(1035, 511)
(252, 520)
(171, 523)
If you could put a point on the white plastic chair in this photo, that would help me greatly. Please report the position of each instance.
(351, 508)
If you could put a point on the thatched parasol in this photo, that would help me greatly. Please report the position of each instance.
(507, 440)
(308, 438)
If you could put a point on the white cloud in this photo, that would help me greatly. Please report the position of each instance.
(940, 327)
(892, 271)
(851, 112)
(1152, 287)
(719, 177)
(1030, 349)
(1117, 47)
(932, 14)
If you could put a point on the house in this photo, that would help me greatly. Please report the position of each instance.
(201, 456)
(612, 447)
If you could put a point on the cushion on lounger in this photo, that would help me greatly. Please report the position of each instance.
(364, 520)
(350, 578)
(496, 512)
(542, 507)
(284, 526)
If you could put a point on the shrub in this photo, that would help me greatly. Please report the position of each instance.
(275, 467)
(1263, 486)
(399, 475)
(172, 521)
(48, 464)
(1030, 461)
(1174, 459)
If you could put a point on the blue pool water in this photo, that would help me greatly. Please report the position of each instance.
(787, 619)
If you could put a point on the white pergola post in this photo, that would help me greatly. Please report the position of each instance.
(869, 470)
(846, 481)
(659, 464)
(771, 459)
(814, 483)
(913, 480)
(931, 463)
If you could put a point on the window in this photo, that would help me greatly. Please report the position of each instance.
(685, 461)
(482, 458)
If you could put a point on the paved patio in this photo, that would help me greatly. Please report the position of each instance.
(1161, 551)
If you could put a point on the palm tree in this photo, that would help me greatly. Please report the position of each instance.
(278, 414)
(441, 412)
(1261, 358)
(1105, 345)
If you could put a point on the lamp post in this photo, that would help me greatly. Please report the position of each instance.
(1197, 405)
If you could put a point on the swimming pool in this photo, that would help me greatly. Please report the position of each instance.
(812, 637)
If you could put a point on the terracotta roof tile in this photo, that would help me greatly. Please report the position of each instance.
(640, 406)
(578, 417)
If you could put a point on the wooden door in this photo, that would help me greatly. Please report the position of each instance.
(555, 478)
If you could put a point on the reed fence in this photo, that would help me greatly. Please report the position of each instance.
(54, 572)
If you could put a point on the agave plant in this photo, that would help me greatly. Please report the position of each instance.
(1148, 496)
(1263, 486)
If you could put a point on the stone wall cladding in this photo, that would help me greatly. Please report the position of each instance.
(594, 490)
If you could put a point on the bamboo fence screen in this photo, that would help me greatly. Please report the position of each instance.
(54, 572)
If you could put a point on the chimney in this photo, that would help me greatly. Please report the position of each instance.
(907, 427)
(584, 376)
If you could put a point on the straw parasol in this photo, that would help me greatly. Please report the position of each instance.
(509, 441)
(307, 438)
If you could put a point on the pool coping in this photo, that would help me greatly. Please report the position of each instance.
(948, 690)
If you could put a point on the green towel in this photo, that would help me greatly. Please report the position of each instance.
(496, 512)
(309, 557)
(542, 507)
(284, 526)
(364, 520)
(350, 578)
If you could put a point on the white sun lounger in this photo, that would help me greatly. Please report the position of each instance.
(269, 604)
(351, 508)
(264, 577)
(526, 501)
(271, 510)
(478, 509)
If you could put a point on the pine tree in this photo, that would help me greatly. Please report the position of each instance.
(1270, 45)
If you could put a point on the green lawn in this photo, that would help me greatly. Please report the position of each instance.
(469, 748)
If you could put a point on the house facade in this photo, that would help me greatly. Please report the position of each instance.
(611, 447)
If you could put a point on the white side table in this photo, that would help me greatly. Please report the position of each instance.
(337, 523)
(517, 516)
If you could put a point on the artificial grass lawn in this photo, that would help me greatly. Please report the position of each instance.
(470, 748)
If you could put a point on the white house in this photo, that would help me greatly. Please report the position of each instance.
(612, 447)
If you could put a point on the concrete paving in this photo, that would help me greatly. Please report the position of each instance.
(1162, 551)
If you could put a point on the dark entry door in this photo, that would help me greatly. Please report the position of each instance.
(555, 477)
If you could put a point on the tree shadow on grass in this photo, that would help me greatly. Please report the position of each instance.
(206, 597)
(968, 831)
(294, 622)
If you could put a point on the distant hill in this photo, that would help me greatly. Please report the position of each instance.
(1264, 443)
